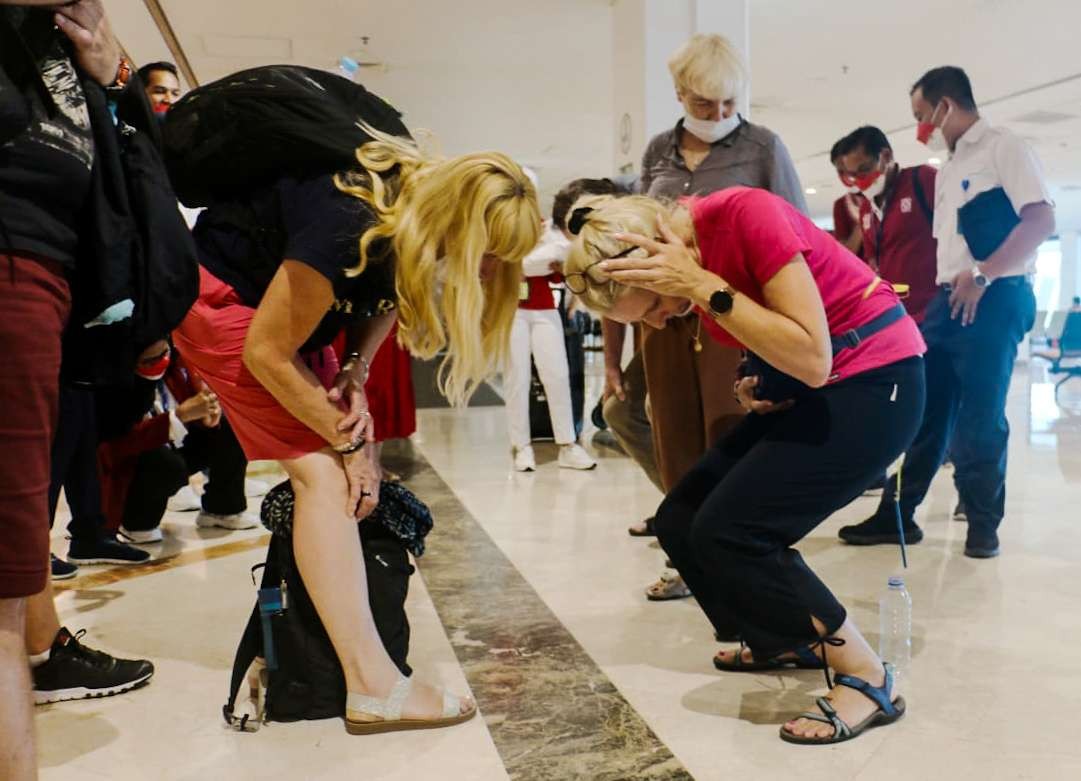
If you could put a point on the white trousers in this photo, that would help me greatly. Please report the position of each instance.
(538, 333)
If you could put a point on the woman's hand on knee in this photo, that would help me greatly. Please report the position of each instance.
(363, 473)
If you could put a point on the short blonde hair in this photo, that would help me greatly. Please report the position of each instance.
(441, 217)
(709, 66)
(595, 241)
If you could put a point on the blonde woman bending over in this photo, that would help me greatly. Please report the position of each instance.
(438, 241)
(835, 393)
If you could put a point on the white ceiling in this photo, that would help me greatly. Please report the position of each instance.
(819, 67)
(823, 67)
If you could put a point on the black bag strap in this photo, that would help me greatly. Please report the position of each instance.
(921, 196)
(251, 645)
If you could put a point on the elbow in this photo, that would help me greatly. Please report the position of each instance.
(1049, 226)
(257, 358)
(817, 373)
(1041, 219)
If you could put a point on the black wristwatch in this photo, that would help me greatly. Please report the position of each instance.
(721, 301)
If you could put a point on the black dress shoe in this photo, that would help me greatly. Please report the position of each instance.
(982, 546)
(875, 531)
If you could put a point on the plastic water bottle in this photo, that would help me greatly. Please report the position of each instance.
(348, 67)
(895, 626)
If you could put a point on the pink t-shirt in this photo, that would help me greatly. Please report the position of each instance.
(747, 235)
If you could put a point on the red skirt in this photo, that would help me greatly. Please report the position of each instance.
(211, 339)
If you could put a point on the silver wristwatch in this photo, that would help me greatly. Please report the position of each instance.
(981, 279)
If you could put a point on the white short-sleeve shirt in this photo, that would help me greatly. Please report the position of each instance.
(986, 157)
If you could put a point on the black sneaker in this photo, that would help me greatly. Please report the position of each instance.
(960, 513)
(105, 550)
(61, 570)
(875, 531)
(981, 546)
(75, 672)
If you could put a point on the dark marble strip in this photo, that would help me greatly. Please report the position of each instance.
(551, 711)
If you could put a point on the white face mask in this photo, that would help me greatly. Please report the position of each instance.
(937, 141)
(709, 131)
(875, 189)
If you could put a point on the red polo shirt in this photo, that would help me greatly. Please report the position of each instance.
(536, 292)
(842, 221)
(902, 241)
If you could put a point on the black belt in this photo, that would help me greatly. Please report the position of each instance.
(852, 338)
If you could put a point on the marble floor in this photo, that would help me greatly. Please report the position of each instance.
(530, 597)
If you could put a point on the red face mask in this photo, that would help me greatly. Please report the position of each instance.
(924, 131)
(861, 183)
(156, 370)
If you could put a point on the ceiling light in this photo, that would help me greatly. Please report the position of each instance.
(934, 161)
(811, 191)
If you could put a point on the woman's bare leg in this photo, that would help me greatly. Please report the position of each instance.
(329, 556)
(856, 658)
(18, 758)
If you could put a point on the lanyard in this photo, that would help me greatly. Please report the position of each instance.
(880, 226)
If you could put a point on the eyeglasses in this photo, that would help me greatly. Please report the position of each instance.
(578, 282)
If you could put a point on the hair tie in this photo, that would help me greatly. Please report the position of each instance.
(578, 219)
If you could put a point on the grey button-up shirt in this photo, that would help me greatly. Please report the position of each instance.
(751, 156)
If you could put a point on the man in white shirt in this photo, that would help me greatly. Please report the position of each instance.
(982, 311)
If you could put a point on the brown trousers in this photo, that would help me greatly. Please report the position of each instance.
(690, 394)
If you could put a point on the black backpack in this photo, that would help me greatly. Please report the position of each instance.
(305, 679)
(245, 131)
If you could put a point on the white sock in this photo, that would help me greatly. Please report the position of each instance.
(36, 660)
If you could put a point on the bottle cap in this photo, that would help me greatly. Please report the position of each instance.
(897, 582)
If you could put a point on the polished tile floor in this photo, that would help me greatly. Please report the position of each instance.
(994, 692)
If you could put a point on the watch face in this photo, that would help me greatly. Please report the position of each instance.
(721, 302)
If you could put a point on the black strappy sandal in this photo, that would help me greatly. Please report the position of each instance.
(888, 712)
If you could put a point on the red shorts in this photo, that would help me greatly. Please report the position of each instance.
(211, 340)
(36, 302)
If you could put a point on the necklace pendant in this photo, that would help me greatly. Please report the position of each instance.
(697, 346)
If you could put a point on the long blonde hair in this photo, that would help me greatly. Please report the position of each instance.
(441, 217)
(596, 240)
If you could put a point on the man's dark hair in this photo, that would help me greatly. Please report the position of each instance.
(838, 151)
(146, 70)
(868, 138)
(1077, 300)
(570, 193)
(949, 81)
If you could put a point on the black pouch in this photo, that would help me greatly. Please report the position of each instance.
(986, 221)
(773, 384)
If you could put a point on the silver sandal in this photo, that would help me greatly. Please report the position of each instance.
(366, 715)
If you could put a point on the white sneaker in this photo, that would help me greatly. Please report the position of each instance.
(254, 488)
(524, 460)
(148, 537)
(236, 521)
(574, 456)
(184, 501)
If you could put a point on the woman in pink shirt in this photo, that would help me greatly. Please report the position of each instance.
(835, 390)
